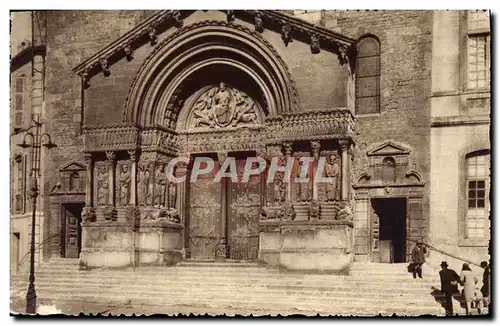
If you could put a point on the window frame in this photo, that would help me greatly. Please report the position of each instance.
(463, 203)
(377, 76)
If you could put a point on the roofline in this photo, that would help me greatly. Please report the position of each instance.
(157, 23)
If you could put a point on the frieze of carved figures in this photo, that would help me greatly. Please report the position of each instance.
(315, 44)
(102, 185)
(286, 33)
(143, 188)
(88, 214)
(160, 185)
(332, 171)
(222, 106)
(124, 183)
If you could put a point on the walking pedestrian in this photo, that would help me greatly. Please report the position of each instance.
(468, 281)
(449, 286)
(418, 259)
(485, 289)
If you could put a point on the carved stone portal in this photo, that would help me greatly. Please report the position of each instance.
(222, 106)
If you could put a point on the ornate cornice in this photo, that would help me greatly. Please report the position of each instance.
(109, 138)
(148, 30)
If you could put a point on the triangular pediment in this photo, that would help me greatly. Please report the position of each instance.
(319, 38)
(73, 166)
(389, 148)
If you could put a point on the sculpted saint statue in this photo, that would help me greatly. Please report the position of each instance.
(102, 186)
(172, 194)
(332, 170)
(279, 188)
(160, 185)
(303, 188)
(143, 188)
(124, 185)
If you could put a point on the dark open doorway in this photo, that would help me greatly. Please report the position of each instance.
(391, 214)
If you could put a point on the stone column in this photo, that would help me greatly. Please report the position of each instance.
(182, 170)
(223, 248)
(110, 156)
(315, 147)
(133, 177)
(288, 153)
(88, 181)
(344, 145)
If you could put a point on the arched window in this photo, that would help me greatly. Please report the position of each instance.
(478, 188)
(368, 76)
(389, 170)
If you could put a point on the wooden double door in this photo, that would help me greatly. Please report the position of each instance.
(224, 213)
(71, 233)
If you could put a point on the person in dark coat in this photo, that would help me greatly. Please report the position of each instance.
(449, 286)
(418, 258)
(485, 289)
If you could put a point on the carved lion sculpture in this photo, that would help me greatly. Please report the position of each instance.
(345, 213)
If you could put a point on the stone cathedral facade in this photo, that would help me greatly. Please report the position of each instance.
(126, 93)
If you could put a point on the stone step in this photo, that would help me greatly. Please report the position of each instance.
(265, 288)
(221, 282)
(222, 270)
(239, 298)
(346, 307)
(223, 279)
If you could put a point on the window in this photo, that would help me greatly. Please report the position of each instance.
(368, 76)
(477, 185)
(478, 50)
(18, 102)
(20, 184)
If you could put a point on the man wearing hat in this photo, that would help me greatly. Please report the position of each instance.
(449, 286)
(418, 259)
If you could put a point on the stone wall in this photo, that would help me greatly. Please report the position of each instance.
(73, 36)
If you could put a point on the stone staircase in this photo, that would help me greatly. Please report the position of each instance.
(229, 287)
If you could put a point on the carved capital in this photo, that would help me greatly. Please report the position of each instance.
(315, 146)
(221, 156)
(133, 155)
(287, 148)
(286, 31)
(259, 23)
(344, 144)
(110, 156)
(88, 158)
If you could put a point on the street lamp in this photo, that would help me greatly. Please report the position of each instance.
(36, 143)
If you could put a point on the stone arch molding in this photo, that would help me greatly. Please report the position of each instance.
(152, 98)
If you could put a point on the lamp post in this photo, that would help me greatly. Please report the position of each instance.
(34, 132)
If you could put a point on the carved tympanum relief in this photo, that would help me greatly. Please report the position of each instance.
(223, 106)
